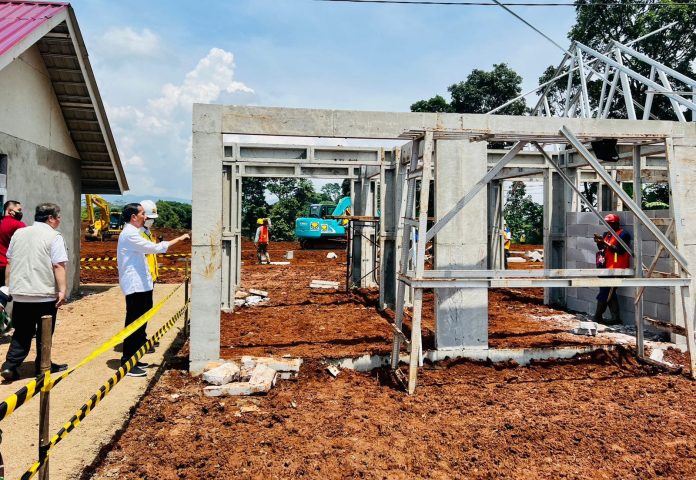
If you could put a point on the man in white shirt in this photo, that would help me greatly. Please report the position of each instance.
(135, 279)
(38, 282)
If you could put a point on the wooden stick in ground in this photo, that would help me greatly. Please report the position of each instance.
(45, 396)
(186, 298)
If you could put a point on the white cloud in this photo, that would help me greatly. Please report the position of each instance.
(213, 75)
(121, 42)
(154, 137)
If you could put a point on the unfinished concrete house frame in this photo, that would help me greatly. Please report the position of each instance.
(451, 148)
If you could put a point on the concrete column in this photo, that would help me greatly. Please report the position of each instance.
(390, 218)
(559, 200)
(206, 262)
(461, 315)
(495, 225)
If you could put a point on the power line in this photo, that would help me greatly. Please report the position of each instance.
(513, 4)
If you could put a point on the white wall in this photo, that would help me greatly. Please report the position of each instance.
(43, 164)
(29, 109)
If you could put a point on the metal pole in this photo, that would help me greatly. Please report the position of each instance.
(638, 251)
(45, 395)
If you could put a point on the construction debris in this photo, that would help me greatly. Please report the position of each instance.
(331, 255)
(280, 263)
(250, 297)
(516, 260)
(225, 373)
(289, 255)
(586, 328)
(333, 370)
(323, 284)
(535, 255)
(256, 375)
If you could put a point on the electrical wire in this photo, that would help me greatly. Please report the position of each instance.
(514, 4)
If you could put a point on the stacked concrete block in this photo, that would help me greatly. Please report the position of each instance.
(580, 253)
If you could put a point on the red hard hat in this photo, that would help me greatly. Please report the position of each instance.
(612, 218)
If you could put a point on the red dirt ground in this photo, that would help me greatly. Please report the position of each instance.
(596, 416)
(601, 416)
(107, 248)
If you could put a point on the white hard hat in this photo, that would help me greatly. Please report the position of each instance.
(150, 208)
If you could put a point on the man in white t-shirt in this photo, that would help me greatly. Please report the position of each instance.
(37, 281)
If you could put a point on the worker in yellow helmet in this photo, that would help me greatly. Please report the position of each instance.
(261, 240)
(150, 215)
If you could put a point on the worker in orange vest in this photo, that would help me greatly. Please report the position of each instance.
(261, 241)
(610, 254)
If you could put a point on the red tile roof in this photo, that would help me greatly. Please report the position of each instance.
(19, 18)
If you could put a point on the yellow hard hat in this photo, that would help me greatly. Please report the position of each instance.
(259, 221)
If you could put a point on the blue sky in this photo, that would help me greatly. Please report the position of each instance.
(154, 58)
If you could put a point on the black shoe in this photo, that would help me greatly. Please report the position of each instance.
(136, 372)
(156, 344)
(151, 350)
(55, 368)
(142, 364)
(10, 374)
(58, 367)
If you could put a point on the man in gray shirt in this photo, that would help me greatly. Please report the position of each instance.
(38, 284)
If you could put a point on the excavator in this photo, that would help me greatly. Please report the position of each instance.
(109, 222)
(314, 228)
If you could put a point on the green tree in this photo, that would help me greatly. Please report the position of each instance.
(523, 215)
(435, 104)
(332, 192)
(173, 215)
(598, 22)
(254, 204)
(481, 92)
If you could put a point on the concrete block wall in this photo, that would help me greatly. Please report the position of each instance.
(580, 253)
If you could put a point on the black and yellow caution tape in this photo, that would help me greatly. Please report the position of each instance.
(99, 395)
(113, 259)
(99, 267)
(27, 392)
(97, 259)
(177, 269)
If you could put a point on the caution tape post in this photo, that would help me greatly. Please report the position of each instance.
(99, 395)
(27, 392)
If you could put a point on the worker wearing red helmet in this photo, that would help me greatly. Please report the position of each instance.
(610, 254)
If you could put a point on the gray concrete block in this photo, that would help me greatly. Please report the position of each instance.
(650, 309)
(225, 373)
(571, 243)
(663, 312)
(586, 243)
(277, 364)
(577, 230)
(580, 306)
(649, 249)
(587, 294)
(656, 295)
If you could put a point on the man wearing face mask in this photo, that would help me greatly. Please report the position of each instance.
(10, 223)
(135, 278)
(150, 214)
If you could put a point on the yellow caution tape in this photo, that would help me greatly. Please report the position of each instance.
(103, 390)
(100, 267)
(113, 259)
(26, 393)
(178, 269)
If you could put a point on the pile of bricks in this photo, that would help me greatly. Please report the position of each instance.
(250, 376)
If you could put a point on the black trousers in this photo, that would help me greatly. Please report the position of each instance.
(26, 318)
(2, 276)
(136, 305)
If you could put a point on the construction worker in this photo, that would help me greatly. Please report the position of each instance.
(610, 254)
(507, 237)
(261, 240)
(150, 216)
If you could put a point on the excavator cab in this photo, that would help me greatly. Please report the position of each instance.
(109, 222)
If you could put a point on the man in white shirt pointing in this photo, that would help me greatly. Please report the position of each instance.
(134, 277)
